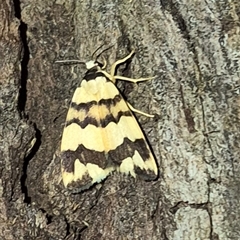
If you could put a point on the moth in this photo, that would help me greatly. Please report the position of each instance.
(101, 134)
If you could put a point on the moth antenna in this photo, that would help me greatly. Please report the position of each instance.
(96, 52)
(104, 50)
(70, 61)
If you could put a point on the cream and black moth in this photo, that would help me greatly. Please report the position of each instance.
(101, 135)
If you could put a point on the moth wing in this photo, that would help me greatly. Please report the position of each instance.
(83, 156)
(124, 141)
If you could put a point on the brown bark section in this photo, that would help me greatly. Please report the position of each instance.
(192, 47)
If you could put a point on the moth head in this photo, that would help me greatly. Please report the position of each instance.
(91, 64)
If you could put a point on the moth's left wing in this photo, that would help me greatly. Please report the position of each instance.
(83, 156)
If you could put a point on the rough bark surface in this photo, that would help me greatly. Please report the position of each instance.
(192, 47)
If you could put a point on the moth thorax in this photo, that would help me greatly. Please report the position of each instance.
(91, 64)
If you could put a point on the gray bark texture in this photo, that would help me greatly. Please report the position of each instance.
(193, 49)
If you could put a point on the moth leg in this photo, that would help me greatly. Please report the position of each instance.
(113, 67)
(104, 63)
(114, 77)
(133, 80)
(138, 111)
(109, 76)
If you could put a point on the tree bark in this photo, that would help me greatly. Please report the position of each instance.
(192, 47)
